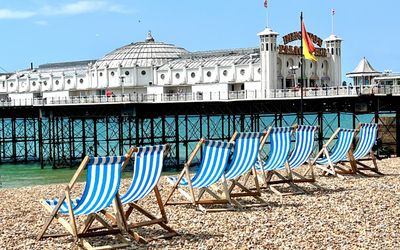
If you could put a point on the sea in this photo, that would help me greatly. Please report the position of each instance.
(16, 176)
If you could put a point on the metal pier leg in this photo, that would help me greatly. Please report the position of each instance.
(398, 133)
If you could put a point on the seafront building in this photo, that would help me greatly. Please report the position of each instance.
(157, 68)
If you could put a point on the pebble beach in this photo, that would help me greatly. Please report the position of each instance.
(356, 213)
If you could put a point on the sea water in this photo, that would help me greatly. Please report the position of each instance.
(14, 176)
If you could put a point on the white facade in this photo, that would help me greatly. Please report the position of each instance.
(157, 68)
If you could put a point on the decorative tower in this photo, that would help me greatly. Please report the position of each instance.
(334, 49)
(269, 55)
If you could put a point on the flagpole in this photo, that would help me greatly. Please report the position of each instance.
(333, 21)
(302, 71)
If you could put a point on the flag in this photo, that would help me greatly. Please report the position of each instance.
(308, 46)
(333, 12)
(266, 3)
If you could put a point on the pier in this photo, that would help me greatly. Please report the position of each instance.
(59, 133)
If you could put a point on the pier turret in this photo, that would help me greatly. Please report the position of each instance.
(334, 48)
(269, 55)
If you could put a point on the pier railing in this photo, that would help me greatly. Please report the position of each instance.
(325, 92)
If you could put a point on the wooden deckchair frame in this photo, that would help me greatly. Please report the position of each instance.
(265, 177)
(72, 226)
(245, 191)
(161, 221)
(331, 168)
(198, 201)
(353, 168)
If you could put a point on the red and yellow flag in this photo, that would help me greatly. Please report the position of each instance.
(308, 46)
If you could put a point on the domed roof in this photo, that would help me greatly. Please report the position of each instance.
(141, 54)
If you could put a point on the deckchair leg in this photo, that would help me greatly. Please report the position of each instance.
(51, 217)
(71, 214)
(153, 220)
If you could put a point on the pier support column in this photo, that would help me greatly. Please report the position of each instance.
(398, 133)
(321, 130)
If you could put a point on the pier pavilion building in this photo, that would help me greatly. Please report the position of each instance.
(152, 67)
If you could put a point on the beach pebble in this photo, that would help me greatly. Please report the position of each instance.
(355, 213)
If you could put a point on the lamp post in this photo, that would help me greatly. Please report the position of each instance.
(293, 71)
(122, 85)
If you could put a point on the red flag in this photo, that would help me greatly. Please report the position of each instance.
(308, 46)
(266, 3)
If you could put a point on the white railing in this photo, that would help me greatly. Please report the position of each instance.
(207, 96)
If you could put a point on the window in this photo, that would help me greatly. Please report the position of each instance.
(112, 73)
(11, 84)
(69, 81)
(57, 82)
(242, 72)
(209, 73)
(143, 72)
(225, 72)
(81, 80)
(193, 75)
(310, 65)
(162, 76)
(177, 75)
(259, 70)
(287, 64)
(101, 74)
(45, 83)
(33, 83)
(127, 73)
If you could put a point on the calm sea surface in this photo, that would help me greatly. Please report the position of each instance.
(14, 176)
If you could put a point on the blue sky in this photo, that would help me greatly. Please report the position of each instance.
(43, 31)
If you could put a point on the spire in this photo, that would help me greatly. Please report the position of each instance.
(149, 37)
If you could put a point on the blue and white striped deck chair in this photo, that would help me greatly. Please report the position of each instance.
(148, 164)
(367, 135)
(101, 190)
(326, 160)
(212, 167)
(279, 149)
(305, 137)
(245, 155)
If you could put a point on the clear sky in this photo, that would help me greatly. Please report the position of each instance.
(43, 31)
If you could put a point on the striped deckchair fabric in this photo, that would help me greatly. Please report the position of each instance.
(342, 146)
(148, 164)
(368, 133)
(213, 164)
(304, 146)
(280, 144)
(367, 137)
(146, 173)
(100, 191)
(102, 183)
(245, 155)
